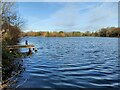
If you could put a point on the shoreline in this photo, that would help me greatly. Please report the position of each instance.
(17, 64)
(68, 37)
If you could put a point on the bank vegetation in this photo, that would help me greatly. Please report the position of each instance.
(10, 27)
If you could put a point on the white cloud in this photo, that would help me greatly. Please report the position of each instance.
(104, 11)
(72, 17)
(105, 15)
(67, 18)
(82, 18)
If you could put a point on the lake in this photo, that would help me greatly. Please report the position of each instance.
(70, 62)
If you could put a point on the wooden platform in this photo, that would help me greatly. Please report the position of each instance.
(20, 46)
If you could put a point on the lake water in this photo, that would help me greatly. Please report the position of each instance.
(70, 62)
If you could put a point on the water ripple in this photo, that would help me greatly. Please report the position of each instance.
(72, 63)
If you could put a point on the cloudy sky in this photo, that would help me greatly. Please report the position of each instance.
(68, 16)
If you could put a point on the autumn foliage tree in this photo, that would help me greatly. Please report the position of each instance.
(104, 32)
(11, 23)
(10, 27)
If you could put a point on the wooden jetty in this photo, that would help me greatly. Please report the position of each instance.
(20, 46)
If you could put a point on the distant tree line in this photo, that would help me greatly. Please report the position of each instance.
(104, 32)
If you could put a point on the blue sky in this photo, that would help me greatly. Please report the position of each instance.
(68, 16)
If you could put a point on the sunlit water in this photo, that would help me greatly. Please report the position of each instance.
(71, 62)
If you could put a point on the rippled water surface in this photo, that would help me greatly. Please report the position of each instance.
(71, 62)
